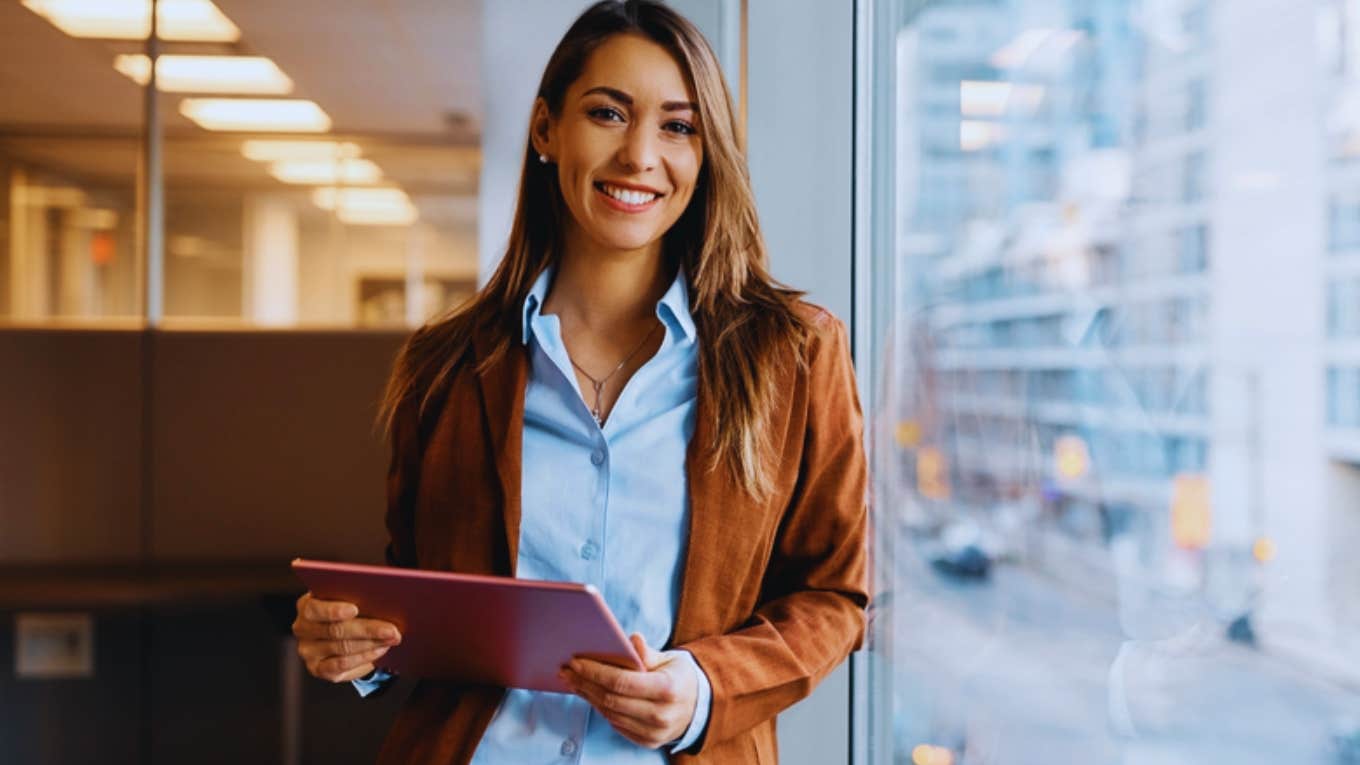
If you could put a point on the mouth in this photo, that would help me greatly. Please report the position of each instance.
(626, 200)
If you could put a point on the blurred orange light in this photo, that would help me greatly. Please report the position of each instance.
(1190, 511)
(102, 249)
(925, 754)
(1263, 550)
(908, 434)
(1072, 460)
(932, 473)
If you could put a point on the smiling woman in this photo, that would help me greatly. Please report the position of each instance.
(634, 403)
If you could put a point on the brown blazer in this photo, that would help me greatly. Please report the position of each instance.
(773, 595)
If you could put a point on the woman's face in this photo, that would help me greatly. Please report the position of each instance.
(626, 145)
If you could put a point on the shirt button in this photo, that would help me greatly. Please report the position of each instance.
(568, 747)
(597, 457)
(589, 550)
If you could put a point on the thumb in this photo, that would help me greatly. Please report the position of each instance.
(650, 659)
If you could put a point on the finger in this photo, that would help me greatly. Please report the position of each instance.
(651, 659)
(325, 649)
(634, 731)
(643, 712)
(353, 629)
(655, 686)
(328, 610)
(355, 674)
(339, 666)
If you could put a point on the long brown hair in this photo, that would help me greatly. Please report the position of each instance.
(747, 323)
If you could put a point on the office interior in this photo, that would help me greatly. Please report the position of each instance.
(1100, 263)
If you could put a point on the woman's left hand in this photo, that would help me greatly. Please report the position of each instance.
(651, 708)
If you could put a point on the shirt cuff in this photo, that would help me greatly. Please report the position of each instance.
(701, 707)
(372, 682)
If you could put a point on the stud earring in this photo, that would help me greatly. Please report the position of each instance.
(543, 159)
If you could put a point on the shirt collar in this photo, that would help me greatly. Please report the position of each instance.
(532, 302)
(674, 304)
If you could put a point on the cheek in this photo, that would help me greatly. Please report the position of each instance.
(685, 175)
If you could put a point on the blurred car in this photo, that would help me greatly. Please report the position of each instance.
(962, 551)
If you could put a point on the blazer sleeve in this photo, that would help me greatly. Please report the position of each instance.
(815, 589)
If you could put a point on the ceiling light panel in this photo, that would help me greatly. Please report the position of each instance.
(276, 151)
(180, 20)
(325, 172)
(368, 207)
(208, 74)
(256, 114)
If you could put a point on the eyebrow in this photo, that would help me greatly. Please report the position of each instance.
(627, 100)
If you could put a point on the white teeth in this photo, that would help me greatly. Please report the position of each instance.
(626, 196)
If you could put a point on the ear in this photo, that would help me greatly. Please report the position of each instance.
(542, 130)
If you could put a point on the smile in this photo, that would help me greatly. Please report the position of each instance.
(627, 200)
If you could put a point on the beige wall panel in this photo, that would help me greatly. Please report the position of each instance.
(264, 445)
(70, 446)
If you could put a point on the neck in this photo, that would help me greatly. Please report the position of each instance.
(604, 291)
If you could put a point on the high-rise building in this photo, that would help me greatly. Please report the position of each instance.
(1118, 225)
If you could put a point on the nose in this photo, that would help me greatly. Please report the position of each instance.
(639, 150)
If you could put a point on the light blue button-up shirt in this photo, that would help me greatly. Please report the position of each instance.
(604, 506)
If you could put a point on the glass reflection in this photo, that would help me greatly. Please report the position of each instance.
(1119, 524)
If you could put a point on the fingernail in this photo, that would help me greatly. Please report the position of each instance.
(382, 650)
(349, 612)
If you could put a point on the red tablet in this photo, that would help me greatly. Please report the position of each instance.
(492, 630)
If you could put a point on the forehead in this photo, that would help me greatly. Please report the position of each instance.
(637, 66)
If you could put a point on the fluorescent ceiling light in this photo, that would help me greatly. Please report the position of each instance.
(183, 20)
(260, 114)
(992, 99)
(274, 151)
(975, 135)
(378, 217)
(319, 172)
(374, 207)
(1042, 48)
(207, 74)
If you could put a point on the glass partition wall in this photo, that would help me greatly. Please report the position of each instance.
(319, 163)
(1113, 375)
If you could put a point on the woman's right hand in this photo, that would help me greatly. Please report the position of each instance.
(337, 645)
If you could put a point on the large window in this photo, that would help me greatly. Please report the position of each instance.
(1113, 380)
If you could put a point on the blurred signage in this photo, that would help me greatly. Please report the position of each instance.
(1190, 511)
(932, 473)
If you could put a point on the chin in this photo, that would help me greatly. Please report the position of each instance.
(616, 240)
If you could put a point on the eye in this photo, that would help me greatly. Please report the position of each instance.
(681, 127)
(608, 113)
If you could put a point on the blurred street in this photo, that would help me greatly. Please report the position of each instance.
(1016, 669)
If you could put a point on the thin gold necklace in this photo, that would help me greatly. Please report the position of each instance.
(600, 383)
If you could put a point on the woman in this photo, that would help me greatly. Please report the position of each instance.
(631, 401)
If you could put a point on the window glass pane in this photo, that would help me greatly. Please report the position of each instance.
(1115, 380)
(362, 212)
(69, 142)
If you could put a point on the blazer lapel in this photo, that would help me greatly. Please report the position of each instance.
(502, 387)
(705, 523)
